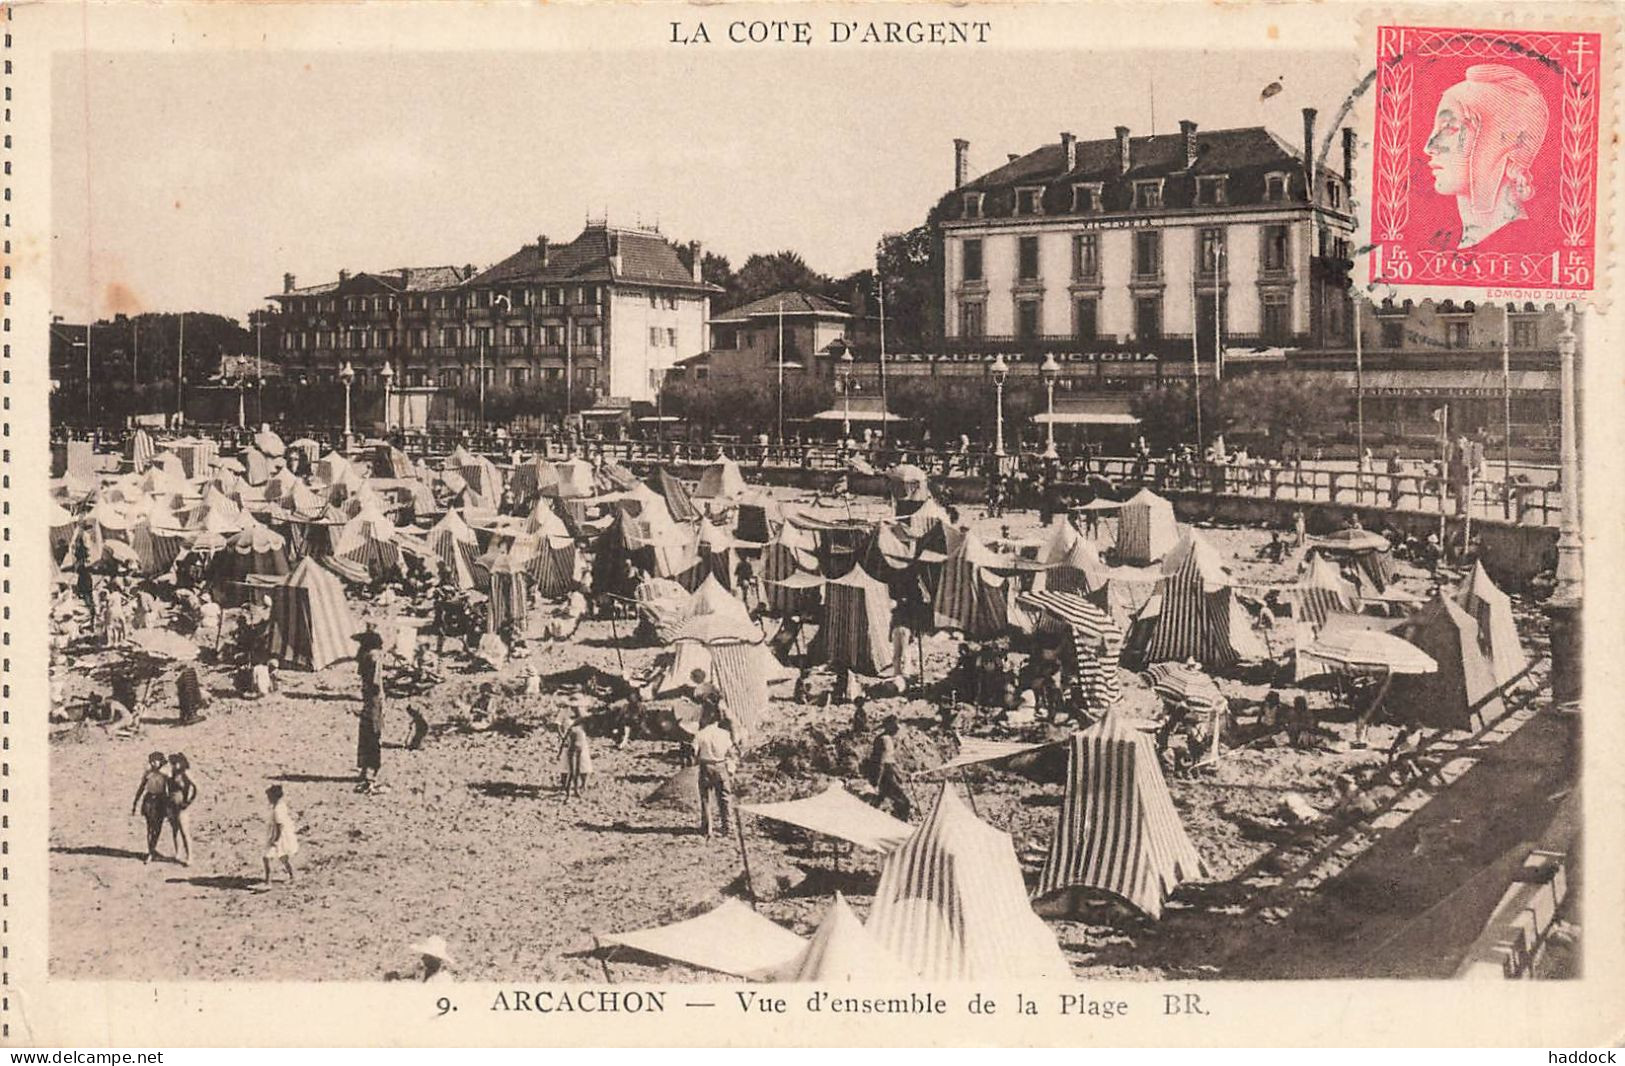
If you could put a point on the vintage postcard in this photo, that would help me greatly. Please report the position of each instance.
(1065, 523)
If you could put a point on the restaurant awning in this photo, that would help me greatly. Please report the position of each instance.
(1464, 384)
(856, 415)
(1089, 411)
(1086, 418)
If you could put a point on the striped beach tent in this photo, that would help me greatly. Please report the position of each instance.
(1118, 830)
(1146, 529)
(310, 622)
(140, 450)
(1497, 632)
(453, 543)
(793, 552)
(952, 904)
(843, 950)
(1071, 564)
(254, 550)
(856, 631)
(1200, 617)
(1322, 590)
(1097, 641)
(508, 595)
(368, 540)
(970, 597)
(678, 499)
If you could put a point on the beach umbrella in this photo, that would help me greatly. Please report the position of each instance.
(164, 644)
(1353, 540)
(1185, 682)
(268, 442)
(1373, 649)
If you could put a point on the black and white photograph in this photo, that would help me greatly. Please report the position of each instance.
(744, 497)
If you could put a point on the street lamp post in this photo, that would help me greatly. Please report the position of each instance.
(241, 363)
(1000, 371)
(387, 372)
(1050, 370)
(347, 375)
(843, 371)
(1563, 609)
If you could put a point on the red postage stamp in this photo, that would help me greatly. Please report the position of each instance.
(1485, 159)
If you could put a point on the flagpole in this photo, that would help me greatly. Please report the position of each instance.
(1444, 467)
(781, 371)
(1506, 411)
(880, 290)
(1218, 345)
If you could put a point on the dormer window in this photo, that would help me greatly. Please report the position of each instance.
(1275, 188)
(1148, 195)
(1334, 194)
(1210, 190)
(973, 205)
(1030, 201)
(1086, 198)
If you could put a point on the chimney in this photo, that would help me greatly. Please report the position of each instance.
(344, 275)
(1348, 156)
(696, 257)
(1123, 161)
(961, 161)
(468, 271)
(406, 276)
(541, 249)
(287, 282)
(1187, 131)
(1069, 149)
(1309, 151)
(1011, 157)
(613, 240)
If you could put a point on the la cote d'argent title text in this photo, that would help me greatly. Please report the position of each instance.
(835, 31)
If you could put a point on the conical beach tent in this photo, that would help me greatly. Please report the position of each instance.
(1146, 529)
(721, 481)
(1118, 830)
(1200, 617)
(952, 905)
(843, 950)
(856, 631)
(1497, 632)
(310, 622)
(1322, 591)
(1446, 698)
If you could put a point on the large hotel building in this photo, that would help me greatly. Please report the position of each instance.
(612, 309)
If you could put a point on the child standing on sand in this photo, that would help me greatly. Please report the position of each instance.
(576, 751)
(150, 801)
(282, 838)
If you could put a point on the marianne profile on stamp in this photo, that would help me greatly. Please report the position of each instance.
(1486, 133)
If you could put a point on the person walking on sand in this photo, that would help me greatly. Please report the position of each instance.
(888, 779)
(182, 793)
(150, 800)
(713, 747)
(576, 750)
(369, 663)
(282, 838)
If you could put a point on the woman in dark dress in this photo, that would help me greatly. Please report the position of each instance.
(370, 729)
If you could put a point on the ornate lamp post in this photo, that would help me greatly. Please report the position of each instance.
(843, 373)
(1564, 606)
(1000, 370)
(241, 366)
(1049, 371)
(387, 372)
(347, 375)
